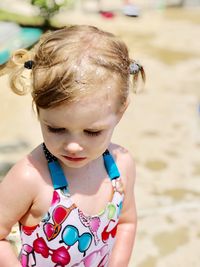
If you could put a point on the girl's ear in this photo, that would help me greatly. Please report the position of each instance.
(123, 108)
(126, 104)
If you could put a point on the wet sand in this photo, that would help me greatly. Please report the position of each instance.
(161, 128)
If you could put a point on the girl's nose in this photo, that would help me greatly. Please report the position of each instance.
(73, 147)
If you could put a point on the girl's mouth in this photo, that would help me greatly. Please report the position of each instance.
(74, 158)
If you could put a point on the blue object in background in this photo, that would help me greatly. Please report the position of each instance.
(13, 37)
(4, 56)
(29, 36)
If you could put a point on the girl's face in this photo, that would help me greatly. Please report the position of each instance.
(80, 132)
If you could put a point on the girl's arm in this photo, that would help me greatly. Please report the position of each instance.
(7, 256)
(16, 193)
(128, 219)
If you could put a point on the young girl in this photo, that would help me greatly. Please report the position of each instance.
(72, 195)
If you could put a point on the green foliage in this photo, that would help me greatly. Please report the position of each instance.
(48, 8)
(21, 19)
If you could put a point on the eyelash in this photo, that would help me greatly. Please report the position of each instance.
(90, 133)
(55, 130)
(61, 130)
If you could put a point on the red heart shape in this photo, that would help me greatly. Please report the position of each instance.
(49, 230)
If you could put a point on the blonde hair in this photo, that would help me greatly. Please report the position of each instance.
(70, 62)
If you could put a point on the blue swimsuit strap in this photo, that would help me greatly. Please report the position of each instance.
(110, 165)
(58, 177)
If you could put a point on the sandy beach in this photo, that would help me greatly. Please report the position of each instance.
(161, 129)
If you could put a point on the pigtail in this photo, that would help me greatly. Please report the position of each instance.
(137, 71)
(19, 70)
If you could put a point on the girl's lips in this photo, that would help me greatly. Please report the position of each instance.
(74, 158)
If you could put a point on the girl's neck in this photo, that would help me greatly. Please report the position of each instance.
(92, 168)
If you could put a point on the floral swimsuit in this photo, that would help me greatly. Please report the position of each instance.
(67, 236)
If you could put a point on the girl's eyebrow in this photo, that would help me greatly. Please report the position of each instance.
(51, 124)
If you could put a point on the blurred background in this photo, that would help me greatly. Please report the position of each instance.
(161, 127)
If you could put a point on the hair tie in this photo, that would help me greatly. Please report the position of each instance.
(135, 67)
(29, 64)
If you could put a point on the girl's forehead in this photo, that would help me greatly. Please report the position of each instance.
(99, 93)
(90, 108)
(101, 98)
(88, 112)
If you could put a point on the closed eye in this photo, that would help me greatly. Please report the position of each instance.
(55, 130)
(92, 133)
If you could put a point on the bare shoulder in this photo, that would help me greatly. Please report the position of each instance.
(26, 171)
(125, 162)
